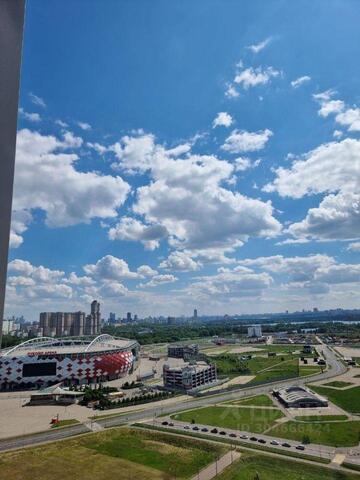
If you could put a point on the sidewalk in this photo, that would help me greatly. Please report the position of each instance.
(217, 467)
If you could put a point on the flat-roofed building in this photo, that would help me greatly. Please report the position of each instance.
(182, 351)
(189, 377)
(299, 397)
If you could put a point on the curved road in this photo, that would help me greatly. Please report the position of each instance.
(336, 368)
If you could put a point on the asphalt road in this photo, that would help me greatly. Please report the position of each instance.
(336, 368)
(320, 451)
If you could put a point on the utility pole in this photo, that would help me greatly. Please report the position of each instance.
(11, 35)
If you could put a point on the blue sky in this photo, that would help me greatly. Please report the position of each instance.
(174, 155)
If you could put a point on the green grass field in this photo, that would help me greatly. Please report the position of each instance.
(255, 420)
(251, 467)
(282, 369)
(257, 401)
(65, 423)
(338, 384)
(312, 370)
(121, 453)
(337, 434)
(321, 418)
(348, 399)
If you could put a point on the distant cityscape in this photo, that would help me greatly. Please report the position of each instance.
(63, 324)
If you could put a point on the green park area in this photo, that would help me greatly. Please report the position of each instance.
(255, 420)
(264, 368)
(261, 467)
(122, 453)
(348, 399)
(337, 434)
(312, 370)
(321, 418)
(256, 401)
(338, 384)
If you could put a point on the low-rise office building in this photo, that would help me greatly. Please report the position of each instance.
(182, 351)
(189, 377)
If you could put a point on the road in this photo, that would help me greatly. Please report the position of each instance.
(313, 450)
(336, 368)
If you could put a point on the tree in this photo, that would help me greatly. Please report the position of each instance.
(306, 440)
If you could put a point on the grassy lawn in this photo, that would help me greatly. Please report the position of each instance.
(257, 401)
(251, 420)
(321, 418)
(290, 348)
(285, 369)
(252, 466)
(117, 453)
(348, 399)
(337, 434)
(304, 371)
(338, 384)
(65, 423)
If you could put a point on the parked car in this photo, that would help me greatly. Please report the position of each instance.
(171, 424)
(222, 432)
(261, 440)
(287, 445)
(204, 429)
(253, 439)
(274, 442)
(300, 447)
(196, 428)
(244, 437)
(165, 423)
(187, 427)
(214, 430)
(232, 435)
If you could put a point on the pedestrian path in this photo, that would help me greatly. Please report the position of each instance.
(211, 471)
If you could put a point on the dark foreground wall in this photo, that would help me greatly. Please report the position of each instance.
(11, 33)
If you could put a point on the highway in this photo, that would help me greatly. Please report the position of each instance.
(336, 368)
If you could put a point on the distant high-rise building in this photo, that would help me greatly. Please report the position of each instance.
(74, 324)
(112, 317)
(195, 314)
(254, 331)
(62, 324)
(128, 316)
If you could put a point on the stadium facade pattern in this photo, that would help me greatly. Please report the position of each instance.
(74, 361)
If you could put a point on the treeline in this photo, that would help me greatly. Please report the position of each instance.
(176, 333)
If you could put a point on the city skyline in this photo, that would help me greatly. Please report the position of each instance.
(163, 166)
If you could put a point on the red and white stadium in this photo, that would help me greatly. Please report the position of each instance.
(45, 361)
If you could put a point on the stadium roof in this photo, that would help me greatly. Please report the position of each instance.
(69, 345)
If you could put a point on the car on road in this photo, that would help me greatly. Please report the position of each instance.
(300, 447)
(261, 440)
(253, 439)
(274, 442)
(165, 423)
(187, 427)
(214, 430)
(196, 428)
(244, 437)
(204, 429)
(287, 445)
(232, 435)
(171, 424)
(222, 432)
